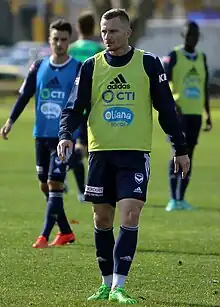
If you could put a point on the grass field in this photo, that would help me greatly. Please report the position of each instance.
(178, 256)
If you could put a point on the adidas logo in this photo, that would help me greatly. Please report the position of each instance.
(53, 83)
(58, 161)
(57, 171)
(138, 190)
(118, 82)
(193, 71)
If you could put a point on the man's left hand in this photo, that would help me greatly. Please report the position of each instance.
(183, 163)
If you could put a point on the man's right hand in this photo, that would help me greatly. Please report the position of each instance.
(183, 162)
(64, 150)
(208, 125)
(6, 129)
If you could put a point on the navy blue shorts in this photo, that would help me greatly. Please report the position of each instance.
(116, 175)
(48, 165)
(76, 159)
(191, 125)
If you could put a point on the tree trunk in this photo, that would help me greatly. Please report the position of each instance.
(140, 13)
(123, 4)
(144, 12)
(99, 7)
(6, 29)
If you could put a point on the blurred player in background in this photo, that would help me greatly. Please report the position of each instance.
(187, 73)
(86, 45)
(120, 85)
(51, 80)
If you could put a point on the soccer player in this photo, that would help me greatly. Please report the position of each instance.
(85, 46)
(187, 72)
(51, 80)
(120, 85)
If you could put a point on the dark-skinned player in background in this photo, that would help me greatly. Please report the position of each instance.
(187, 73)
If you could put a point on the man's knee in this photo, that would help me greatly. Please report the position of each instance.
(44, 187)
(191, 149)
(130, 210)
(103, 215)
(42, 177)
(55, 185)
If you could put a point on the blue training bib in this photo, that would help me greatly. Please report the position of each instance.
(54, 84)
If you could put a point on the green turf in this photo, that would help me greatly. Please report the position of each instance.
(178, 256)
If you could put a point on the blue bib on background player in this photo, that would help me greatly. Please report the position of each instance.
(54, 84)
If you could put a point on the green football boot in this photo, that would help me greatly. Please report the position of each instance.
(101, 294)
(119, 295)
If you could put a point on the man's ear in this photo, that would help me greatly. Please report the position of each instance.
(129, 32)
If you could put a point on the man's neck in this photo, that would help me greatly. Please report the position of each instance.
(121, 51)
(85, 37)
(189, 49)
(59, 59)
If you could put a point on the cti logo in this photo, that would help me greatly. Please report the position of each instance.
(46, 93)
(108, 96)
(118, 83)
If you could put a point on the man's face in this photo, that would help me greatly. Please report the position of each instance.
(191, 36)
(115, 33)
(59, 42)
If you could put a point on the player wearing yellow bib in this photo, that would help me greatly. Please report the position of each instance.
(120, 85)
(188, 75)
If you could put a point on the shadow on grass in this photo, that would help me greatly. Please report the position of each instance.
(184, 304)
(143, 250)
(195, 208)
(162, 251)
